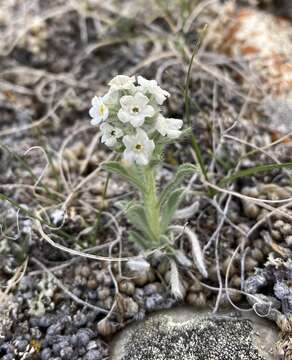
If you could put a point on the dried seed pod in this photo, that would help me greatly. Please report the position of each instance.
(163, 266)
(127, 306)
(108, 302)
(151, 275)
(196, 287)
(227, 263)
(286, 229)
(141, 280)
(273, 191)
(250, 264)
(250, 191)
(85, 271)
(99, 276)
(105, 328)
(127, 287)
(79, 149)
(103, 293)
(92, 284)
(258, 244)
(235, 296)
(197, 300)
(276, 235)
(250, 209)
(257, 255)
(235, 282)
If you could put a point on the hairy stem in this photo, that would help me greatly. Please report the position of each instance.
(152, 208)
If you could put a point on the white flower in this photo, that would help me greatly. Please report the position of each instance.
(111, 98)
(99, 111)
(151, 87)
(135, 109)
(110, 134)
(122, 82)
(168, 126)
(138, 148)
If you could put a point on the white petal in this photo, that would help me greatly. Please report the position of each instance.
(142, 159)
(141, 136)
(110, 98)
(160, 98)
(128, 141)
(141, 80)
(127, 101)
(173, 134)
(93, 112)
(149, 111)
(136, 121)
(104, 127)
(175, 124)
(141, 99)
(111, 141)
(123, 116)
(95, 101)
(129, 156)
(95, 121)
(149, 146)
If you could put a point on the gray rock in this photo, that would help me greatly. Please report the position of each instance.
(93, 355)
(183, 334)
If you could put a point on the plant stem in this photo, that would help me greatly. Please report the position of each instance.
(151, 202)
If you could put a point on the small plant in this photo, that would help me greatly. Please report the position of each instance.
(132, 125)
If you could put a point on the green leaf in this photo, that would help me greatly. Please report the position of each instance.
(170, 207)
(252, 171)
(137, 217)
(139, 239)
(126, 173)
(182, 171)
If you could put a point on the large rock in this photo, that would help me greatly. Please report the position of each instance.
(182, 334)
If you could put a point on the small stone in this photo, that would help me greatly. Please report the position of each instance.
(67, 353)
(46, 354)
(84, 336)
(288, 240)
(93, 355)
(183, 334)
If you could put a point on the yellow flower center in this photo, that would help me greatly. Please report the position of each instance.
(101, 110)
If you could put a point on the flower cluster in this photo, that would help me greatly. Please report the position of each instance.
(130, 118)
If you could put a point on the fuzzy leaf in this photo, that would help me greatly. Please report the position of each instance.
(169, 208)
(126, 173)
(139, 239)
(182, 171)
(137, 217)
